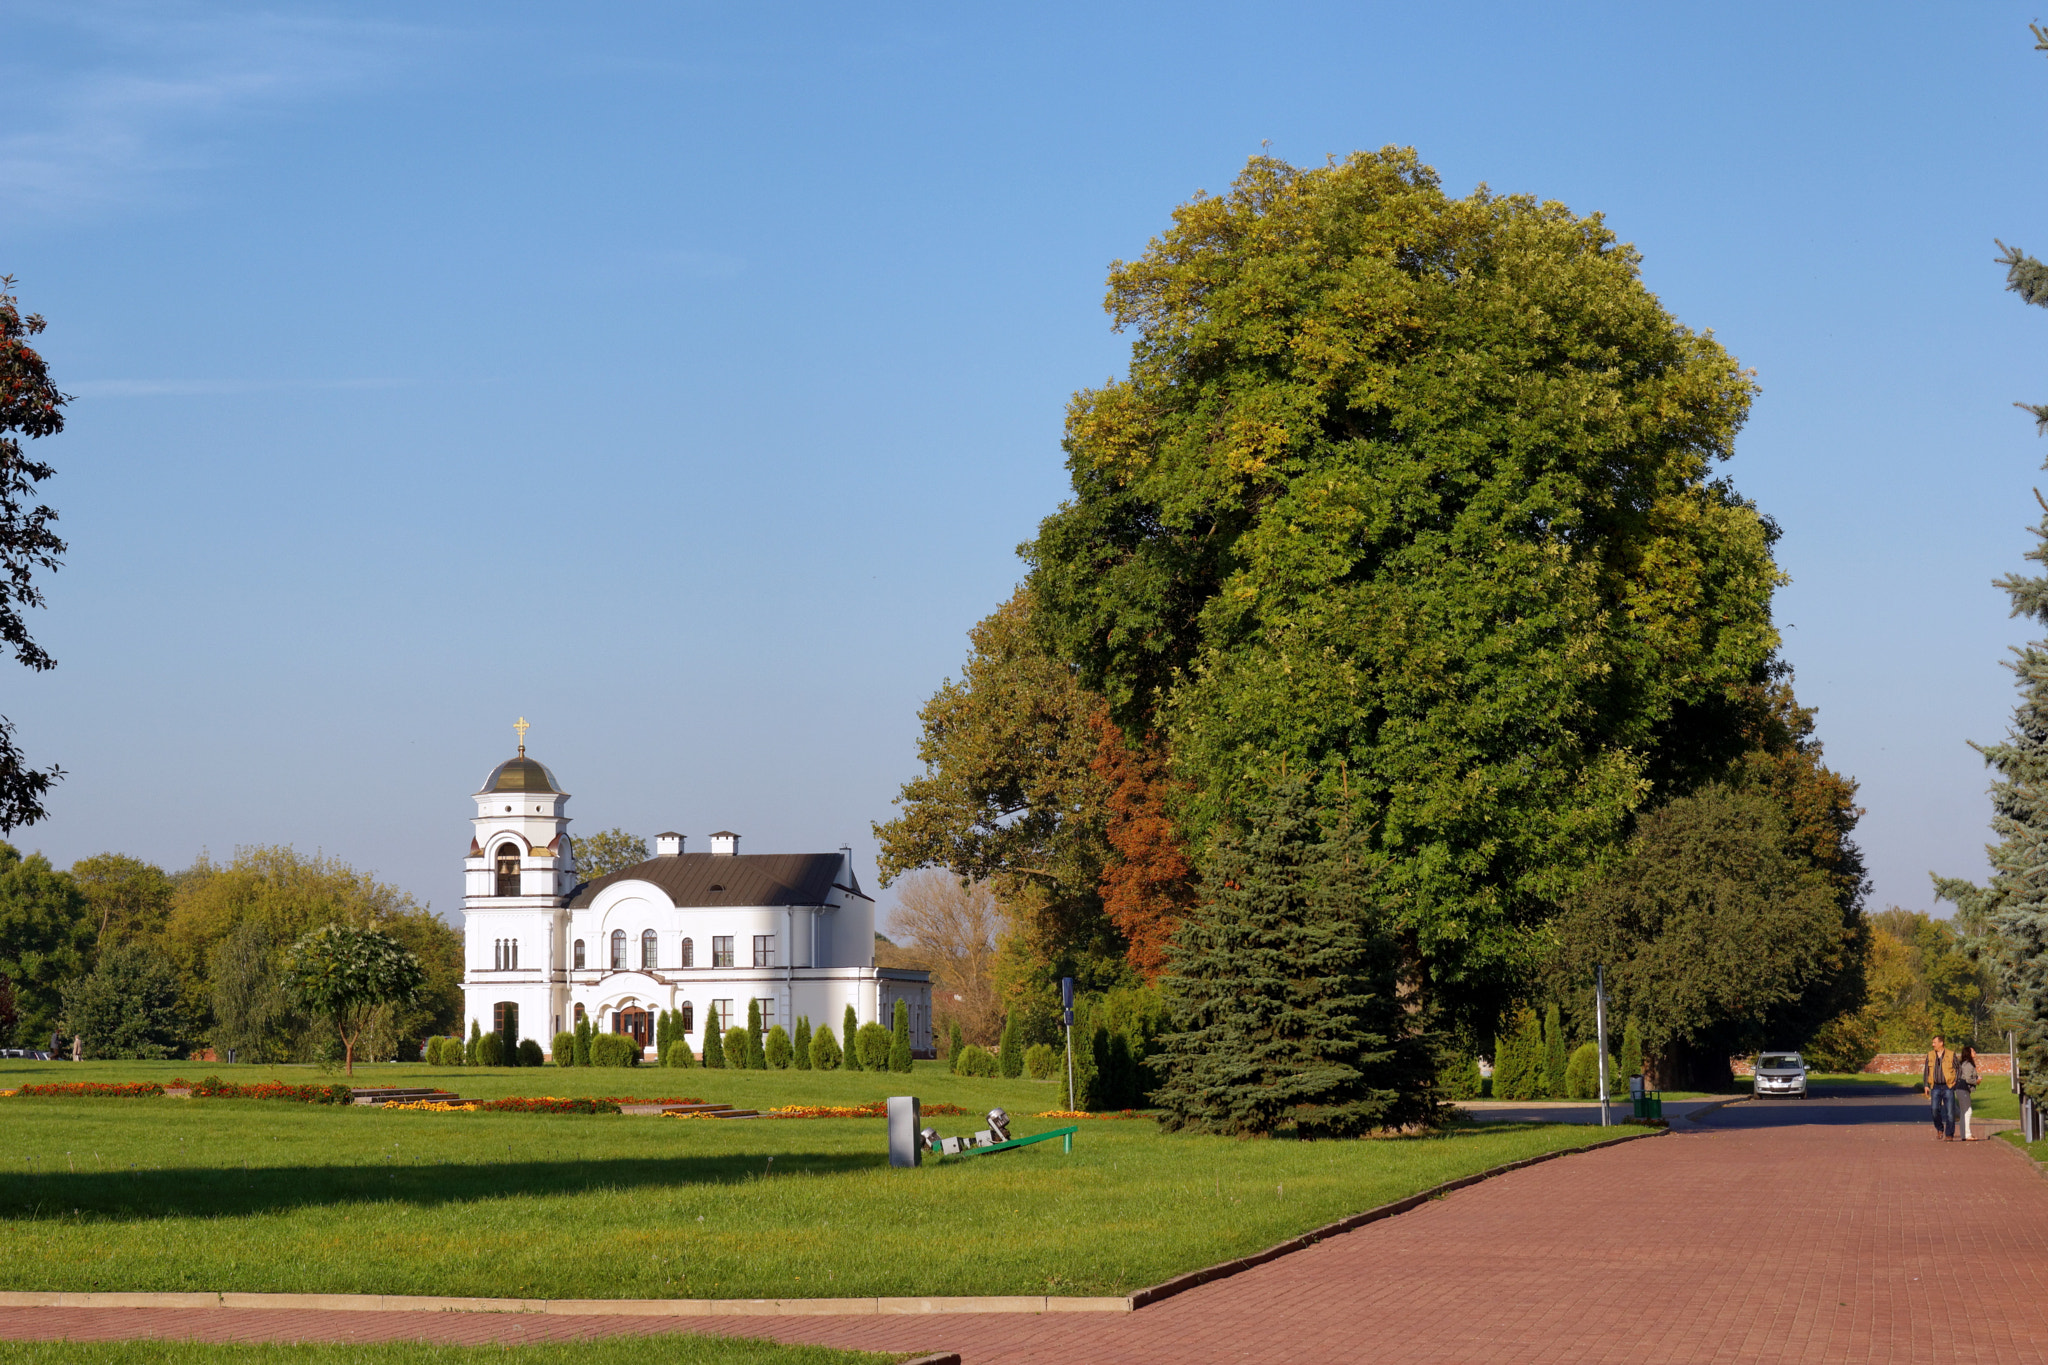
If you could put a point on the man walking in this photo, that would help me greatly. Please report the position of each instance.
(1938, 1074)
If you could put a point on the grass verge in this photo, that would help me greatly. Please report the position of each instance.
(683, 1350)
(255, 1195)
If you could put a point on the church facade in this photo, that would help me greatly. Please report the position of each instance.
(705, 933)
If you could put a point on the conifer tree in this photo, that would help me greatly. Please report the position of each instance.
(899, 1042)
(954, 1040)
(714, 1050)
(1631, 1053)
(661, 1038)
(1281, 987)
(583, 1040)
(757, 1058)
(1518, 1067)
(851, 1052)
(1556, 1055)
(476, 1040)
(803, 1043)
(1010, 1052)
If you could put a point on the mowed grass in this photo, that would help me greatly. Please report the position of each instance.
(254, 1195)
(682, 1350)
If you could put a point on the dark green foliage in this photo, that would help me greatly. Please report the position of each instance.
(899, 1040)
(1112, 1082)
(850, 1026)
(508, 1045)
(490, 1049)
(738, 1055)
(975, 1061)
(800, 1046)
(954, 1040)
(1010, 1053)
(714, 1045)
(29, 405)
(584, 1032)
(44, 938)
(826, 1054)
(875, 1042)
(1631, 1063)
(1718, 932)
(757, 1058)
(1041, 1061)
(530, 1053)
(1457, 1076)
(127, 1006)
(1518, 1059)
(564, 1051)
(348, 976)
(661, 1037)
(1282, 987)
(775, 1049)
(1556, 1054)
(470, 1055)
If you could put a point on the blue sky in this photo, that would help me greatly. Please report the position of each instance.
(682, 378)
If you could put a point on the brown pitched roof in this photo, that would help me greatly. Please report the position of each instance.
(713, 879)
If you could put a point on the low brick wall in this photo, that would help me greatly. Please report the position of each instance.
(1901, 1064)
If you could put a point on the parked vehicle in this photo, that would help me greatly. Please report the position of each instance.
(1781, 1073)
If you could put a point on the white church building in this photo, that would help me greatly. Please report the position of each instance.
(704, 933)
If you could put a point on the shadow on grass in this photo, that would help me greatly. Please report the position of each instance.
(213, 1191)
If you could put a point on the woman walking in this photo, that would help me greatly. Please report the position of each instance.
(1967, 1077)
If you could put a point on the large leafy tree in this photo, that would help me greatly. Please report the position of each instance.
(45, 937)
(348, 976)
(607, 851)
(126, 1006)
(30, 406)
(129, 900)
(1414, 492)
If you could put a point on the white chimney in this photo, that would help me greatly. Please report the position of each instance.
(725, 842)
(669, 845)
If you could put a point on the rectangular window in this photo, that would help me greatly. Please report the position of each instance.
(721, 952)
(721, 1015)
(764, 950)
(767, 1013)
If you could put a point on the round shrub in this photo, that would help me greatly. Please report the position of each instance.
(1041, 1062)
(976, 1061)
(736, 1041)
(565, 1049)
(490, 1050)
(1582, 1074)
(777, 1049)
(679, 1054)
(874, 1042)
(612, 1049)
(530, 1053)
(825, 1052)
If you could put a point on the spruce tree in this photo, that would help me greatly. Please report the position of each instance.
(851, 1051)
(1010, 1053)
(803, 1043)
(899, 1042)
(2006, 920)
(1282, 987)
(1557, 1056)
(714, 1050)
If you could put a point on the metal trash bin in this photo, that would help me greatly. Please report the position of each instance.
(1649, 1104)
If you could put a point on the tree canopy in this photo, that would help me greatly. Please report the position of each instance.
(607, 851)
(31, 406)
(348, 974)
(45, 938)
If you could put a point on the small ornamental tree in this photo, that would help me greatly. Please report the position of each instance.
(564, 1049)
(899, 1046)
(800, 1046)
(661, 1037)
(775, 1049)
(953, 1041)
(1281, 986)
(757, 1059)
(737, 1054)
(1518, 1060)
(476, 1040)
(1556, 1055)
(851, 1044)
(1631, 1053)
(490, 1050)
(714, 1048)
(875, 1042)
(508, 1036)
(825, 1050)
(346, 974)
(1010, 1051)
(583, 1032)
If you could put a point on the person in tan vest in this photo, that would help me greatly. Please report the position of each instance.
(1938, 1076)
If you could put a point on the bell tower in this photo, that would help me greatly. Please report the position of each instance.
(520, 854)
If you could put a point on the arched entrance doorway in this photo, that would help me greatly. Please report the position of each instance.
(636, 1024)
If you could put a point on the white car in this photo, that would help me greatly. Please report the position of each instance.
(1781, 1073)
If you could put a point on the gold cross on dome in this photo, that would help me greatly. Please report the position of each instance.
(522, 727)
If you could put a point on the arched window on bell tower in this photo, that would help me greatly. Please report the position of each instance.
(508, 869)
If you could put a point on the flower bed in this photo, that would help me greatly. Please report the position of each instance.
(214, 1088)
(516, 1104)
(1081, 1114)
(92, 1090)
(874, 1110)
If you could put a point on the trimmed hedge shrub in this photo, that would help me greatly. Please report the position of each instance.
(613, 1049)
(953, 1042)
(1010, 1052)
(800, 1046)
(974, 1061)
(530, 1053)
(736, 1050)
(899, 1040)
(875, 1042)
(679, 1054)
(490, 1050)
(825, 1054)
(565, 1049)
(776, 1051)
(1582, 1074)
(1041, 1061)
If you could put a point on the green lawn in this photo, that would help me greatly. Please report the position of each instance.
(681, 1350)
(254, 1195)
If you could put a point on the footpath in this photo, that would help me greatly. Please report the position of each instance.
(1764, 1232)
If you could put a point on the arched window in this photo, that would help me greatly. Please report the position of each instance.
(689, 960)
(648, 952)
(689, 1017)
(618, 950)
(579, 960)
(497, 954)
(581, 1015)
(508, 869)
(513, 963)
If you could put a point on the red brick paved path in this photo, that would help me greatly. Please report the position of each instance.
(1804, 1233)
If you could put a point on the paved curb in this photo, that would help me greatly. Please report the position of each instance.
(1181, 1284)
(580, 1308)
(1692, 1115)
